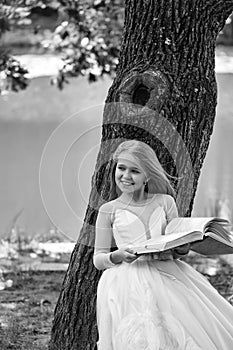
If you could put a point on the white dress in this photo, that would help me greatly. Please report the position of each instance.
(158, 305)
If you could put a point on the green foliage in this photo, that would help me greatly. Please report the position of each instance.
(87, 34)
(12, 74)
(88, 38)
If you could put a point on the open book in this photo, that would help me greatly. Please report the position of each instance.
(208, 236)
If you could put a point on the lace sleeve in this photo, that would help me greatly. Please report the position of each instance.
(103, 239)
(170, 208)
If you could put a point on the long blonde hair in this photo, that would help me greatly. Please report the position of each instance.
(158, 178)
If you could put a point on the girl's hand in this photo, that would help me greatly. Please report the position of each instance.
(166, 255)
(181, 251)
(176, 253)
(123, 254)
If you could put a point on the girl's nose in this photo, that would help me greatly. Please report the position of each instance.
(126, 174)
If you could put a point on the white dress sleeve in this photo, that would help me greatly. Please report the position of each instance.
(103, 239)
(170, 208)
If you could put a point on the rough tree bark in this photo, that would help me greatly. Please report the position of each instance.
(167, 67)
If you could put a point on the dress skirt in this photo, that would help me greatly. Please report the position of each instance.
(161, 305)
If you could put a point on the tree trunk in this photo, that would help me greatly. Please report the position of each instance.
(164, 94)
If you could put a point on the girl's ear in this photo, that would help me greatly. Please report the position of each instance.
(146, 181)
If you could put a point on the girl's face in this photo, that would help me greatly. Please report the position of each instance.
(129, 175)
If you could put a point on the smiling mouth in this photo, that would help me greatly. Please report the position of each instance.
(126, 183)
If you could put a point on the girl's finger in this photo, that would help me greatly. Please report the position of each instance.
(130, 258)
(129, 250)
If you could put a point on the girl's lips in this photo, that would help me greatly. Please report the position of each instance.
(127, 183)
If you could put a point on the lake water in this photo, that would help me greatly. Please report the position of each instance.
(28, 119)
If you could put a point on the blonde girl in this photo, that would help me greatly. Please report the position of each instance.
(152, 302)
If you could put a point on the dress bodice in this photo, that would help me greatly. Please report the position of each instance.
(130, 228)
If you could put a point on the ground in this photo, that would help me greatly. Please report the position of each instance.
(26, 308)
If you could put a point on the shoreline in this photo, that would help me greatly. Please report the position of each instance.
(48, 64)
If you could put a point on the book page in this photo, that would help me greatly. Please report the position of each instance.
(217, 237)
(167, 241)
(187, 224)
(171, 237)
(219, 229)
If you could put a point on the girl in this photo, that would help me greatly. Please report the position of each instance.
(152, 302)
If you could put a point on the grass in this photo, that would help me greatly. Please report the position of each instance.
(13, 337)
(26, 310)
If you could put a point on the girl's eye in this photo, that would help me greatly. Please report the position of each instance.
(120, 168)
(135, 171)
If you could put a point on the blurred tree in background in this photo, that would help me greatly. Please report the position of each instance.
(86, 33)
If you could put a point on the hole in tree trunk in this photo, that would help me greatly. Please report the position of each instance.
(141, 95)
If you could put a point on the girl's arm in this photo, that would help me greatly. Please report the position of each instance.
(103, 258)
(171, 209)
(103, 239)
